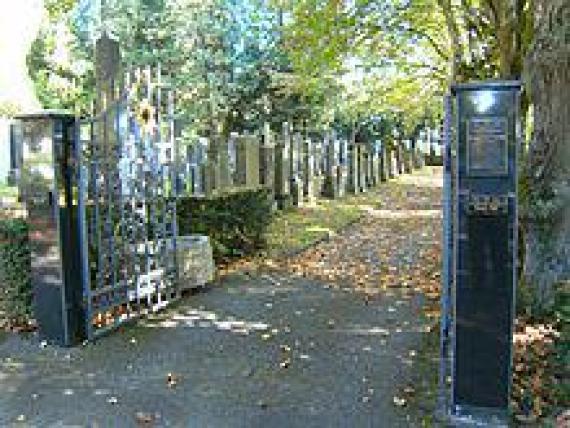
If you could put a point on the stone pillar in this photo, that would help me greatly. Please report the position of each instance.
(247, 161)
(282, 167)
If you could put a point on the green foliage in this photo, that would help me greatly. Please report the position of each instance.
(60, 66)
(400, 55)
(15, 265)
(9, 109)
(236, 222)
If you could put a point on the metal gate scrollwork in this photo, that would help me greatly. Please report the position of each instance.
(127, 204)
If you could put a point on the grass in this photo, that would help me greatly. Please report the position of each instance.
(298, 228)
(295, 229)
(8, 191)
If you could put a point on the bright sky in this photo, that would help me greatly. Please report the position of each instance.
(18, 28)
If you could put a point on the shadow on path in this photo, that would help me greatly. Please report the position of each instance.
(284, 346)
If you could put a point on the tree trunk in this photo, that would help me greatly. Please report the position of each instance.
(546, 213)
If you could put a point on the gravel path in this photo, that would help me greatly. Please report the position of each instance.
(324, 339)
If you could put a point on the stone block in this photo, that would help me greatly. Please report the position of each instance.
(195, 261)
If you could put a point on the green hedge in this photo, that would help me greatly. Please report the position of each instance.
(15, 265)
(236, 222)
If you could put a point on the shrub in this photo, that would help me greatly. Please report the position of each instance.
(236, 221)
(15, 266)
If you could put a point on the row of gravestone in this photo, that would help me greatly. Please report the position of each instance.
(298, 169)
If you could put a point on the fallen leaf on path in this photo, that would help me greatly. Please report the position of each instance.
(399, 401)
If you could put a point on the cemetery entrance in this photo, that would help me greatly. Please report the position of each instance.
(100, 193)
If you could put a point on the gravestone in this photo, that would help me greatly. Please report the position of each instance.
(420, 150)
(308, 171)
(247, 161)
(201, 153)
(318, 170)
(232, 157)
(352, 184)
(332, 164)
(226, 181)
(282, 167)
(267, 159)
(400, 157)
(362, 167)
(342, 172)
(296, 170)
(188, 183)
(375, 164)
(212, 167)
(383, 161)
(407, 156)
(393, 161)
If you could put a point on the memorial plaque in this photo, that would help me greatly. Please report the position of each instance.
(480, 251)
(487, 146)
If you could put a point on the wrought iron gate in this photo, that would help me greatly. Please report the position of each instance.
(127, 204)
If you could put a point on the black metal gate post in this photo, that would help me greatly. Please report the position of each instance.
(478, 293)
(48, 187)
